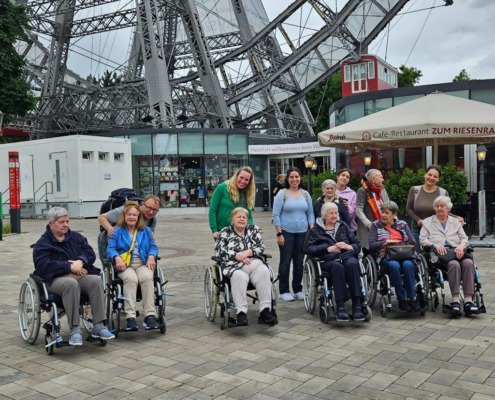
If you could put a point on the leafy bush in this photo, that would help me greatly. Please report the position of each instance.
(6, 228)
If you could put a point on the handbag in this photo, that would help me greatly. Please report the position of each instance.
(449, 256)
(400, 251)
(126, 256)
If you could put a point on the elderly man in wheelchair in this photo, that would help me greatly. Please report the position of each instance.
(239, 249)
(446, 246)
(64, 260)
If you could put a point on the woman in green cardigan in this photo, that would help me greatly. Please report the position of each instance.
(238, 191)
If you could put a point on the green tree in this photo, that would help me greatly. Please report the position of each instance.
(408, 76)
(108, 79)
(321, 98)
(462, 77)
(16, 97)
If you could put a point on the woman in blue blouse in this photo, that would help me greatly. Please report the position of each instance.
(131, 233)
(292, 216)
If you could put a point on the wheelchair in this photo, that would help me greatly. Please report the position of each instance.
(217, 294)
(317, 287)
(115, 300)
(379, 283)
(34, 299)
(437, 275)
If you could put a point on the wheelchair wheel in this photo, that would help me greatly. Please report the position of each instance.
(29, 310)
(49, 349)
(368, 315)
(310, 285)
(86, 317)
(211, 293)
(160, 301)
(383, 307)
(324, 314)
(434, 301)
(371, 279)
(114, 322)
(108, 292)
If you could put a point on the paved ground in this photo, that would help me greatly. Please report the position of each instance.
(398, 357)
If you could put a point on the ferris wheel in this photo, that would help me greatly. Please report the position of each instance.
(186, 63)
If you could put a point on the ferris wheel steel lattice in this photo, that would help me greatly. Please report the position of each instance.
(186, 63)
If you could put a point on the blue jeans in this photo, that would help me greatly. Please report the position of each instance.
(415, 232)
(394, 270)
(291, 251)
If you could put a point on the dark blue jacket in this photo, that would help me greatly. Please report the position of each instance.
(318, 241)
(343, 211)
(51, 256)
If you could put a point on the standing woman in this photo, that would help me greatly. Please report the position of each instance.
(279, 184)
(238, 191)
(292, 217)
(369, 198)
(330, 196)
(420, 200)
(131, 234)
(347, 195)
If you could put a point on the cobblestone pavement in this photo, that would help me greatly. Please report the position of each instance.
(397, 357)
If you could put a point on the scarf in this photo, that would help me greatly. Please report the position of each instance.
(371, 199)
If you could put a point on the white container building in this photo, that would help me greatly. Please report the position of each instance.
(75, 172)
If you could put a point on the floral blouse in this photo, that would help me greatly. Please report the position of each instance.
(229, 243)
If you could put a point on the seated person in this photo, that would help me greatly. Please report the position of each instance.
(239, 247)
(389, 229)
(334, 243)
(132, 235)
(65, 260)
(442, 232)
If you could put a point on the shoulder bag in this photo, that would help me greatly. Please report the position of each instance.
(400, 251)
(126, 257)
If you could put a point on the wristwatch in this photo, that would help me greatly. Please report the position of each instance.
(279, 234)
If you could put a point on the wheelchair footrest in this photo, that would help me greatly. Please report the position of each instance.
(232, 322)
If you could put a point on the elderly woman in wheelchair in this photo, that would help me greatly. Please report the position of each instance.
(239, 249)
(401, 268)
(336, 247)
(446, 245)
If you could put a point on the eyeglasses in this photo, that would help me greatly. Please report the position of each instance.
(155, 210)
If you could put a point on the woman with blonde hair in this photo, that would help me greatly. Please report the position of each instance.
(133, 236)
(238, 191)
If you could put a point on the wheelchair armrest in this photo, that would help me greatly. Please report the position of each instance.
(265, 256)
(37, 278)
(218, 260)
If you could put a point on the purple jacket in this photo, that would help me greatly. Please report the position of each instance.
(379, 235)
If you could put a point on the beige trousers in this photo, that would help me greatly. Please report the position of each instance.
(256, 272)
(135, 274)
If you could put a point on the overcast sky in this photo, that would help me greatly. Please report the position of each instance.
(448, 38)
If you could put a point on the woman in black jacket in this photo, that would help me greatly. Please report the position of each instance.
(335, 244)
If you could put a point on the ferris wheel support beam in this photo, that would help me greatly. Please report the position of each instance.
(159, 89)
(205, 66)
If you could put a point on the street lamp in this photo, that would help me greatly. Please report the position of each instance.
(309, 162)
(481, 154)
(367, 160)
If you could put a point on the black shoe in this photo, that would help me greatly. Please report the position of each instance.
(455, 309)
(470, 309)
(342, 314)
(242, 319)
(404, 305)
(414, 305)
(132, 324)
(150, 322)
(357, 314)
(266, 317)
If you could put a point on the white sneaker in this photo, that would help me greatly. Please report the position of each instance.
(287, 297)
(300, 295)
